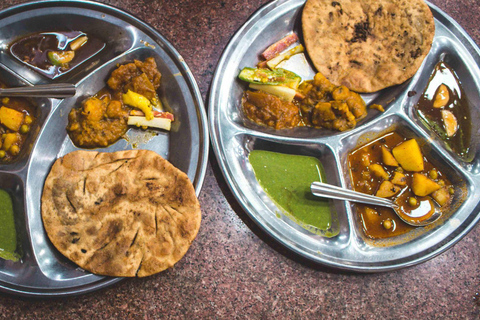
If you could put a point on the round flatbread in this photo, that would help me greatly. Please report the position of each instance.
(367, 45)
(124, 214)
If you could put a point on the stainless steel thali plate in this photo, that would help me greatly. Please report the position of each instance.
(233, 139)
(43, 271)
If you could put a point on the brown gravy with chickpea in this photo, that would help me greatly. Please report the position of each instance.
(380, 222)
(16, 120)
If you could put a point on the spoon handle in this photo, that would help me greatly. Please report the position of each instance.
(54, 90)
(326, 190)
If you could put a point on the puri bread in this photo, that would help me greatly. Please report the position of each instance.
(367, 45)
(126, 213)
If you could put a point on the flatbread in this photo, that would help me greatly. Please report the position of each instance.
(367, 45)
(124, 214)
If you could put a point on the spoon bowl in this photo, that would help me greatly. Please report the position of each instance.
(326, 190)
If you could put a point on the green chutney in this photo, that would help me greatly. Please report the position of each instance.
(287, 179)
(8, 234)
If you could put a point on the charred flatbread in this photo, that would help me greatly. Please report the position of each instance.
(127, 213)
(367, 45)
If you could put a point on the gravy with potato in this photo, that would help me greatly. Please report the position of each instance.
(394, 167)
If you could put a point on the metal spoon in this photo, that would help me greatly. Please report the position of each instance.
(321, 189)
(53, 90)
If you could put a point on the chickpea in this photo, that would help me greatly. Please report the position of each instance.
(2, 154)
(24, 129)
(366, 159)
(387, 224)
(412, 201)
(14, 150)
(366, 175)
(433, 174)
(28, 119)
(451, 190)
(441, 183)
(399, 169)
(5, 100)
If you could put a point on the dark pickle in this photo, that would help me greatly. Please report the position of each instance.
(443, 107)
(55, 53)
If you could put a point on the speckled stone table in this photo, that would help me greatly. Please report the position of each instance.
(233, 269)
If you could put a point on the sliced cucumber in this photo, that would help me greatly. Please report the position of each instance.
(271, 77)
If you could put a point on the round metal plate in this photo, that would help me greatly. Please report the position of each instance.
(233, 139)
(43, 271)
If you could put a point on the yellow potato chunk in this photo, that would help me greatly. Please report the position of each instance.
(11, 118)
(387, 189)
(441, 196)
(399, 179)
(409, 155)
(138, 101)
(94, 109)
(423, 186)
(379, 171)
(388, 158)
(9, 140)
(370, 216)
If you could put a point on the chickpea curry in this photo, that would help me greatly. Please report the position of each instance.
(16, 120)
(105, 117)
(394, 167)
(444, 108)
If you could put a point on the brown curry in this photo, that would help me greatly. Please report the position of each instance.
(103, 118)
(16, 120)
(319, 104)
(369, 174)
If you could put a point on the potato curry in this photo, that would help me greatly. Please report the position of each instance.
(394, 167)
(16, 120)
(318, 103)
(104, 118)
